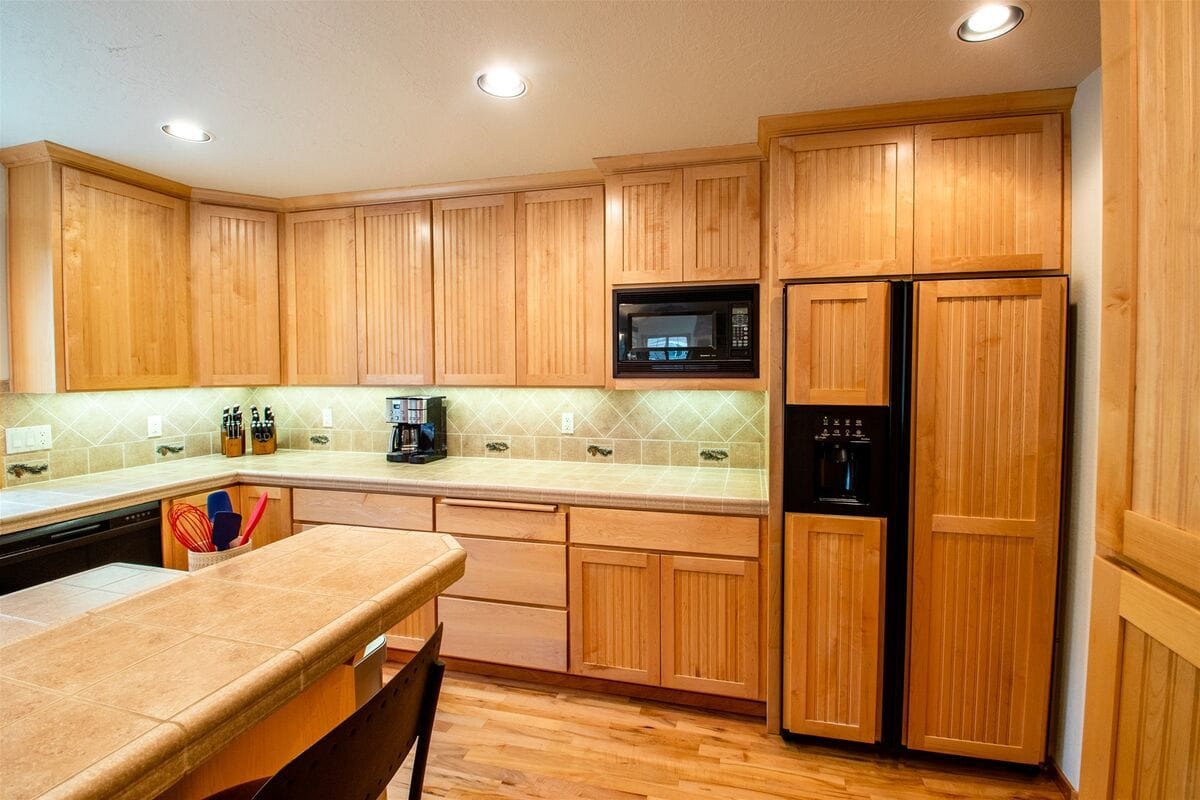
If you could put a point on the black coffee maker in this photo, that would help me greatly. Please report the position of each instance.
(418, 429)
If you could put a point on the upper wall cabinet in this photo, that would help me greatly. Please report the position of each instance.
(989, 195)
(474, 269)
(235, 296)
(320, 297)
(560, 287)
(837, 349)
(124, 278)
(645, 227)
(843, 203)
(395, 294)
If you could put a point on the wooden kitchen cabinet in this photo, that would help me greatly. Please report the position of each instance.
(842, 203)
(560, 300)
(503, 633)
(474, 268)
(837, 348)
(833, 626)
(235, 296)
(721, 208)
(413, 631)
(987, 471)
(989, 195)
(395, 294)
(124, 285)
(710, 625)
(174, 554)
(615, 614)
(276, 522)
(644, 227)
(320, 298)
(374, 510)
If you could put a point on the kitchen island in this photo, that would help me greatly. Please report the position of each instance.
(188, 686)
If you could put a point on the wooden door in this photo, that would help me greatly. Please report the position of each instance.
(412, 632)
(125, 285)
(560, 287)
(837, 343)
(842, 203)
(614, 617)
(174, 554)
(644, 227)
(320, 298)
(395, 294)
(710, 625)
(474, 269)
(276, 522)
(721, 222)
(235, 296)
(987, 468)
(989, 195)
(833, 626)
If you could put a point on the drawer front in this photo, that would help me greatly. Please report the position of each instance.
(363, 508)
(516, 572)
(667, 531)
(519, 636)
(502, 520)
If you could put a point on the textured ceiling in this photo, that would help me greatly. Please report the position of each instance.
(318, 97)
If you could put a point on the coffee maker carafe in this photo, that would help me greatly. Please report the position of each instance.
(418, 429)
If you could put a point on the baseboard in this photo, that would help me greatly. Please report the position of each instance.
(1069, 792)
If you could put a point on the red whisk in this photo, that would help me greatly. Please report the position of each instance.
(191, 527)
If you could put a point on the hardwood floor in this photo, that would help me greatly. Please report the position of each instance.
(510, 741)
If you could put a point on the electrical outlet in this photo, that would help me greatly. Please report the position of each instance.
(568, 423)
(28, 439)
(153, 426)
(327, 417)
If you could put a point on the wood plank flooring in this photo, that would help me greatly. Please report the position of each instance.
(512, 741)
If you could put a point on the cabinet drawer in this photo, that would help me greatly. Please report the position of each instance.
(669, 531)
(363, 508)
(533, 521)
(519, 636)
(517, 572)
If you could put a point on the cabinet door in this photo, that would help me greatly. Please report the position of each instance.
(1143, 690)
(235, 296)
(721, 222)
(989, 195)
(276, 522)
(175, 554)
(412, 632)
(986, 479)
(125, 285)
(395, 294)
(833, 626)
(837, 343)
(320, 296)
(475, 291)
(710, 628)
(644, 230)
(560, 287)
(614, 617)
(842, 203)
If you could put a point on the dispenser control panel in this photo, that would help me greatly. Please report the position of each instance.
(851, 428)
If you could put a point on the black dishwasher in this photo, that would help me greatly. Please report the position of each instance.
(132, 535)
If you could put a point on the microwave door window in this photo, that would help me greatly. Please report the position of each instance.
(670, 337)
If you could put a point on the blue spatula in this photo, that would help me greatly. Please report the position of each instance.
(226, 527)
(218, 502)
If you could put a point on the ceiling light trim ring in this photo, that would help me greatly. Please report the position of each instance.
(965, 32)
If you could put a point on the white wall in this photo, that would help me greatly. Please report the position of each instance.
(1086, 208)
(3, 275)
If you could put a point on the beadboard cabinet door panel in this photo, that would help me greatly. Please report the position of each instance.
(125, 285)
(721, 222)
(413, 631)
(235, 296)
(474, 268)
(644, 227)
(837, 348)
(320, 298)
(276, 522)
(987, 473)
(395, 294)
(560, 297)
(989, 195)
(614, 617)
(842, 204)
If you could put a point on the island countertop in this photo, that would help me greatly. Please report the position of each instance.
(123, 700)
(713, 490)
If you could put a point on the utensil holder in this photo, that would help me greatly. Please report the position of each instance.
(265, 447)
(232, 446)
(201, 560)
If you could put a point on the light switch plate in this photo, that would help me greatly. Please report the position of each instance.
(327, 417)
(568, 423)
(28, 439)
(153, 426)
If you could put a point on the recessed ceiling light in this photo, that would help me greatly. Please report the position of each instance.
(501, 82)
(990, 21)
(188, 131)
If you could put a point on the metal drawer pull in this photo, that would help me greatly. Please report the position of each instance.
(542, 507)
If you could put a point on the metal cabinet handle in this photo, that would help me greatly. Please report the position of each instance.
(545, 508)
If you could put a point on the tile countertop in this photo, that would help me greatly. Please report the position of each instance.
(121, 701)
(638, 486)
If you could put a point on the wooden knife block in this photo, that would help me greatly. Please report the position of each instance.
(263, 448)
(232, 446)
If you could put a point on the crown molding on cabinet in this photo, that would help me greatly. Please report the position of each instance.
(37, 152)
(614, 165)
(948, 109)
(220, 197)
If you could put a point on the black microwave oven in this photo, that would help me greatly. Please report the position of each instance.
(686, 331)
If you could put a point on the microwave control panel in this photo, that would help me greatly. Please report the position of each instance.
(741, 331)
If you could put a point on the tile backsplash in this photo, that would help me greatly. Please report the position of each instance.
(98, 431)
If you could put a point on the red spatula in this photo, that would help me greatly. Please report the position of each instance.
(255, 516)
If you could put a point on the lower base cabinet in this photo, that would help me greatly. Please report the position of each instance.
(411, 632)
(276, 522)
(615, 614)
(503, 633)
